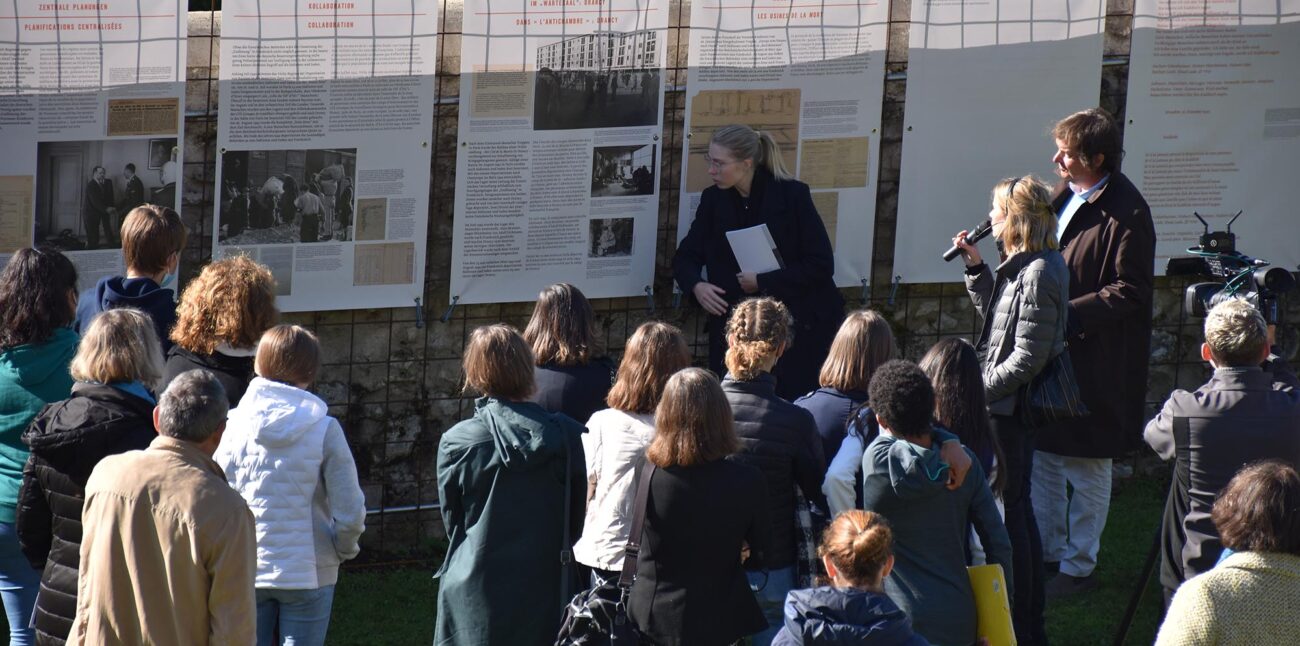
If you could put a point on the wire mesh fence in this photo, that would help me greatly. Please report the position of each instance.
(393, 376)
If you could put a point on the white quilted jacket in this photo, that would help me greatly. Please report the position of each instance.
(290, 462)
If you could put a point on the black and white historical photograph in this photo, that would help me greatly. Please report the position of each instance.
(84, 189)
(617, 171)
(611, 237)
(599, 80)
(287, 196)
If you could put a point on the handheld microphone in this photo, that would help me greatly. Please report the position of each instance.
(982, 231)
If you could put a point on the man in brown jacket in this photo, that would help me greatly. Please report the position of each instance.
(1108, 241)
(168, 552)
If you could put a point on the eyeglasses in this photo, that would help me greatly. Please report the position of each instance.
(715, 164)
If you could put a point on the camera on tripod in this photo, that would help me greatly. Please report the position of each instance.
(1235, 275)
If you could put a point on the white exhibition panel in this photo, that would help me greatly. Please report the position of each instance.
(335, 96)
(560, 137)
(812, 75)
(986, 81)
(88, 85)
(1214, 123)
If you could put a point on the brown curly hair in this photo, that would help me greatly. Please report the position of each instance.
(758, 330)
(232, 301)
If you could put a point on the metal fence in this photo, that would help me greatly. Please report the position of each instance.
(393, 377)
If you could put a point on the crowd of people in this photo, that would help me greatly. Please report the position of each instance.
(167, 475)
(822, 491)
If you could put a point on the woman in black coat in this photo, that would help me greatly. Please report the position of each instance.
(751, 186)
(562, 333)
(705, 520)
(220, 319)
(110, 412)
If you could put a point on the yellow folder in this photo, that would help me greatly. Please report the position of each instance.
(989, 584)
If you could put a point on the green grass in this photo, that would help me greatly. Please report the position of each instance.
(1094, 618)
(394, 606)
(389, 606)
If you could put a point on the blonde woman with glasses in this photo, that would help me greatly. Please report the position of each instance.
(752, 187)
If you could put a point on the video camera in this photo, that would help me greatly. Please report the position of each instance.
(1236, 275)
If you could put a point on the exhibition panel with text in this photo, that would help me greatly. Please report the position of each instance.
(810, 75)
(557, 168)
(324, 144)
(1213, 117)
(92, 100)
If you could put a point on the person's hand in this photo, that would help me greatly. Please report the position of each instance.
(710, 297)
(958, 462)
(970, 254)
(748, 281)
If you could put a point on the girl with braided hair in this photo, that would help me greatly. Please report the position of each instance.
(1024, 305)
(777, 437)
(857, 551)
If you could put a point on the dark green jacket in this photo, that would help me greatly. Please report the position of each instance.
(501, 485)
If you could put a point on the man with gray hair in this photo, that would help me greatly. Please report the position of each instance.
(1244, 413)
(168, 552)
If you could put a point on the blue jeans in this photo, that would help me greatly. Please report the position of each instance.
(770, 589)
(301, 616)
(19, 583)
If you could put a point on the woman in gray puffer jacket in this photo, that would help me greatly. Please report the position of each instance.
(1024, 303)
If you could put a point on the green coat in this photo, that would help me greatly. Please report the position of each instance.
(501, 485)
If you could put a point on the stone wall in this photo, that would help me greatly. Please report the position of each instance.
(392, 376)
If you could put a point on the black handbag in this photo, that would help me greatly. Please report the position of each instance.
(1052, 395)
(598, 616)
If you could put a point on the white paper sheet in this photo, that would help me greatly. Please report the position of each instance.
(754, 248)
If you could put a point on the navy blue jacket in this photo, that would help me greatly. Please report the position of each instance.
(830, 408)
(577, 391)
(119, 291)
(780, 440)
(844, 616)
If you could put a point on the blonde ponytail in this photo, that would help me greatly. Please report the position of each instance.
(746, 143)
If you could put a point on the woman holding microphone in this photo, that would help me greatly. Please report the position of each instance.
(1023, 303)
(751, 186)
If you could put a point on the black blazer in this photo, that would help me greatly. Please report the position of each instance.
(234, 373)
(805, 284)
(576, 391)
(690, 587)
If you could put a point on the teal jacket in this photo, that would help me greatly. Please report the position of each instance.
(907, 484)
(501, 482)
(31, 376)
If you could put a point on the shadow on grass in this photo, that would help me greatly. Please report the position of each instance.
(1094, 618)
(390, 606)
(395, 605)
